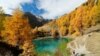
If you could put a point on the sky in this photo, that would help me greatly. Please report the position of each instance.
(48, 9)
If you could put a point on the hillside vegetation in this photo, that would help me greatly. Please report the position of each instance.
(83, 17)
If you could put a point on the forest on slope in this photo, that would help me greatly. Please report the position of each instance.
(74, 23)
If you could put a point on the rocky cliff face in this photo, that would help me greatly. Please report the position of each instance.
(93, 44)
(88, 44)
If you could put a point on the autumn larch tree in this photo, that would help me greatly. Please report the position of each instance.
(2, 18)
(17, 29)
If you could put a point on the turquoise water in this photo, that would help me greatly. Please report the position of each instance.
(49, 45)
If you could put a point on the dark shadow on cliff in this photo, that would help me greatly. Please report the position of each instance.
(9, 50)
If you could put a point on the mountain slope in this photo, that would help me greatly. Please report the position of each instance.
(83, 17)
(34, 20)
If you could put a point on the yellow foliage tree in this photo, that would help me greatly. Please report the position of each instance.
(17, 29)
(2, 17)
